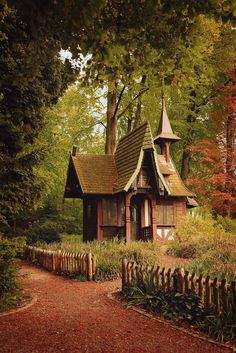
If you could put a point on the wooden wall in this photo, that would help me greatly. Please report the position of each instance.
(180, 209)
(90, 218)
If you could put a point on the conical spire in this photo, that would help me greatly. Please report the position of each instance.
(165, 131)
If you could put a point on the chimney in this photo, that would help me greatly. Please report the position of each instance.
(74, 149)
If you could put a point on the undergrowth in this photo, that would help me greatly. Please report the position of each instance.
(9, 286)
(206, 241)
(183, 307)
(110, 253)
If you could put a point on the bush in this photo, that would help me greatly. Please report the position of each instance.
(212, 249)
(227, 223)
(47, 232)
(8, 268)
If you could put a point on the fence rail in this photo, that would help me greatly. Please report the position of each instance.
(63, 262)
(216, 295)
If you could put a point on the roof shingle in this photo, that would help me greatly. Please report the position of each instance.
(96, 173)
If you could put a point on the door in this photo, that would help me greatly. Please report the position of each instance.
(135, 218)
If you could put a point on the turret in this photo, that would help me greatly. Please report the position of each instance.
(165, 136)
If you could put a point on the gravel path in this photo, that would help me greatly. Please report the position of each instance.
(78, 317)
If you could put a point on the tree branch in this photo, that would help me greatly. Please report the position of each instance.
(143, 90)
(118, 102)
(88, 128)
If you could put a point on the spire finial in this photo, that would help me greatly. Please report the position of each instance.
(162, 86)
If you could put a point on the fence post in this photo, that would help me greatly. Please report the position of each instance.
(163, 279)
(89, 267)
(224, 295)
(208, 292)
(168, 276)
(216, 298)
(124, 273)
(193, 283)
(157, 277)
(186, 281)
(94, 266)
(200, 287)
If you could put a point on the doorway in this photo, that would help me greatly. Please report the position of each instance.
(135, 218)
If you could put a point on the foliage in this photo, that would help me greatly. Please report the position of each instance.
(174, 306)
(206, 241)
(216, 152)
(8, 269)
(110, 253)
(227, 223)
(223, 327)
(46, 231)
(32, 77)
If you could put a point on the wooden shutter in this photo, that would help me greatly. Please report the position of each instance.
(169, 214)
(109, 212)
(160, 214)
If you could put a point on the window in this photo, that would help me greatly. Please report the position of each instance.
(134, 213)
(165, 214)
(122, 209)
(109, 212)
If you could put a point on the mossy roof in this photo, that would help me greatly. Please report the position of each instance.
(96, 173)
(172, 178)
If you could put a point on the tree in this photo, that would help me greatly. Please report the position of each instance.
(31, 79)
(128, 40)
(218, 156)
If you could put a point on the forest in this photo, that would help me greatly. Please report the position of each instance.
(86, 73)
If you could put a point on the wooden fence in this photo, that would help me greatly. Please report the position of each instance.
(63, 262)
(217, 296)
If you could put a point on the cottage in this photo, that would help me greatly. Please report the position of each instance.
(135, 193)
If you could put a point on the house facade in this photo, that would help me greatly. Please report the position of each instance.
(136, 194)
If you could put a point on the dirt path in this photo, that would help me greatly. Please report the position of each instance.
(78, 317)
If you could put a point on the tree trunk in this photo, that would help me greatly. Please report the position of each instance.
(111, 130)
(129, 125)
(185, 167)
(137, 118)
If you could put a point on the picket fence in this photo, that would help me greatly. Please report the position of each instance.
(216, 295)
(63, 262)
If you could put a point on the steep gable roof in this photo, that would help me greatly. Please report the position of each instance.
(129, 155)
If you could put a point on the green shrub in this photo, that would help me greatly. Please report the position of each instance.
(175, 306)
(8, 268)
(47, 232)
(222, 327)
(212, 249)
(227, 223)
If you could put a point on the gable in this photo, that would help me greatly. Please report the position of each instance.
(73, 188)
(130, 154)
